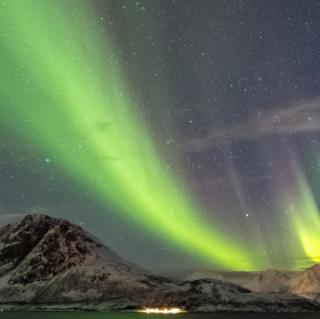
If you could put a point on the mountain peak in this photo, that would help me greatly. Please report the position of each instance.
(315, 269)
(312, 273)
(39, 247)
(307, 283)
(270, 280)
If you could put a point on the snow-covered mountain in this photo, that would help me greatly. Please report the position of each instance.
(47, 262)
(269, 281)
(236, 277)
(306, 283)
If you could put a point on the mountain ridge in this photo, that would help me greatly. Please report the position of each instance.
(49, 262)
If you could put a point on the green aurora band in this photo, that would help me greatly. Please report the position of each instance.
(303, 215)
(64, 95)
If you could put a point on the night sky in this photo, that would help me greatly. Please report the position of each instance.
(183, 133)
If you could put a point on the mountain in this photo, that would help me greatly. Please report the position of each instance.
(236, 277)
(307, 283)
(49, 263)
(199, 274)
(268, 281)
(44, 260)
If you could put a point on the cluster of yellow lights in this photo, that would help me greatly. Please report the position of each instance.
(163, 310)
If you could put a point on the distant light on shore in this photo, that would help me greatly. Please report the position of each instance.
(163, 310)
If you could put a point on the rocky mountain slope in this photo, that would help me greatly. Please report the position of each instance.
(268, 281)
(47, 262)
(306, 283)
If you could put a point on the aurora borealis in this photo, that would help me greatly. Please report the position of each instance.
(180, 134)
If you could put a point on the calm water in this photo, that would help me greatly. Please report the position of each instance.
(102, 315)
